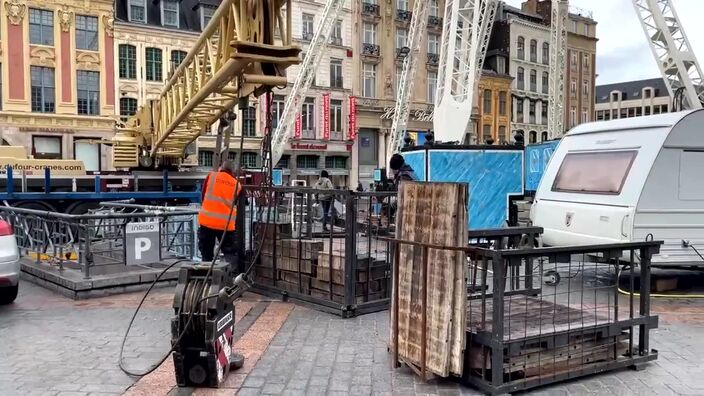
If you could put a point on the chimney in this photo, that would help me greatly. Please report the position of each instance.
(530, 6)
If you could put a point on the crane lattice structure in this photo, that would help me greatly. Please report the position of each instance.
(671, 49)
(306, 74)
(419, 21)
(465, 38)
(245, 48)
(558, 53)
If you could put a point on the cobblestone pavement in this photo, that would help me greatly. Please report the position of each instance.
(54, 346)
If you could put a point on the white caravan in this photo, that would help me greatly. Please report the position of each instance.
(624, 180)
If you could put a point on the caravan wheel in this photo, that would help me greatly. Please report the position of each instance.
(551, 278)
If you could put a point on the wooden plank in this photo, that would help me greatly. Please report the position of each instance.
(433, 213)
(287, 263)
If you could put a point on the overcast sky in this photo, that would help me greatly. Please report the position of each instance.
(623, 53)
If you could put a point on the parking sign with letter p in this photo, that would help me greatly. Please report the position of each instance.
(142, 243)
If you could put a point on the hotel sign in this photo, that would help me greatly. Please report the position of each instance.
(418, 115)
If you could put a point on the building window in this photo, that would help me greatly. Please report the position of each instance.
(88, 83)
(336, 162)
(614, 96)
(336, 34)
(647, 93)
(533, 51)
(153, 56)
(369, 30)
(137, 11)
(502, 134)
(128, 108)
(543, 136)
(169, 13)
(402, 5)
(176, 58)
(336, 73)
(307, 27)
(206, 14)
(531, 111)
(521, 48)
(249, 122)
(586, 29)
(574, 26)
(573, 87)
(546, 82)
(519, 109)
(249, 160)
(336, 120)
(46, 147)
(87, 152)
(433, 44)
(42, 89)
(277, 110)
(401, 38)
(585, 61)
(307, 161)
(486, 133)
(501, 65)
(308, 119)
(369, 80)
(283, 161)
(573, 116)
(232, 156)
(546, 53)
(585, 116)
(573, 61)
(532, 137)
(128, 61)
(41, 27)
(87, 32)
(486, 107)
(544, 113)
(521, 78)
(585, 87)
(432, 86)
(433, 8)
(533, 81)
(205, 158)
(502, 103)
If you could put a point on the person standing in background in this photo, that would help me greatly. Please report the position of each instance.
(325, 199)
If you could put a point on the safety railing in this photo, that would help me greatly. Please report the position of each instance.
(94, 241)
(321, 246)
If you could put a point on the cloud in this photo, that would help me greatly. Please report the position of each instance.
(623, 52)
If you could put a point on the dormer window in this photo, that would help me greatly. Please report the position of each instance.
(206, 14)
(648, 93)
(137, 11)
(170, 13)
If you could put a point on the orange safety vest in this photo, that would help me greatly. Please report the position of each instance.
(219, 197)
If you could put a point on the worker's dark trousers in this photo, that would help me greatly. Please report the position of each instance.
(207, 238)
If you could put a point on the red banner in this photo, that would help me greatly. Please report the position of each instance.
(297, 129)
(326, 116)
(352, 133)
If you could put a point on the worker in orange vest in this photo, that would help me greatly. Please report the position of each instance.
(220, 196)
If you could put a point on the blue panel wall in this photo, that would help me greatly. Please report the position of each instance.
(492, 176)
(537, 158)
(416, 159)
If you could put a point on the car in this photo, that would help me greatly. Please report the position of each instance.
(9, 264)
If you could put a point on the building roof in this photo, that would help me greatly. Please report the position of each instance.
(632, 89)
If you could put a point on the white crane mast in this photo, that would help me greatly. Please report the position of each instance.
(465, 37)
(305, 76)
(417, 30)
(558, 53)
(671, 48)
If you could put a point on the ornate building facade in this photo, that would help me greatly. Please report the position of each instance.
(58, 85)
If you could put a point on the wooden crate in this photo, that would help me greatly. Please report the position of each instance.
(307, 249)
(278, 229)
(361, 288)
(338, 276)
(287, 263)
(340, 299)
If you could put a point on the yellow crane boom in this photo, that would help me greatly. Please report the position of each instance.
(245, 48)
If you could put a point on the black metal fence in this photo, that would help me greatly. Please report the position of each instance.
(321, 246)
(525, 330)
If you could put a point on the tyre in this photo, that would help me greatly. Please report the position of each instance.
(8, 294)
(551, 278)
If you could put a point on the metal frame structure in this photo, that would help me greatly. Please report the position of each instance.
(417, 29)
(671, 49)
(461, 60)
(236, 55)
(558, 53)
(305, 76)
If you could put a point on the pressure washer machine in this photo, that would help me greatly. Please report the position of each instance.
(203, 325)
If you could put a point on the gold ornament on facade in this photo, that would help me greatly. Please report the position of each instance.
(87, 61)
(41, 56)
(65, 18)
(109, 22)
(15, 11)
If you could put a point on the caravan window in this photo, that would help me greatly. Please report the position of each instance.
(594, 173)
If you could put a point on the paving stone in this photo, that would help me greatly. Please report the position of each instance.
(245, 391)
(254, 382)
(272, 389)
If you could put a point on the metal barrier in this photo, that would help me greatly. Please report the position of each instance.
(520, 336)
(333, 260)
(94, 241)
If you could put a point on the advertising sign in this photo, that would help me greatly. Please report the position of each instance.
(352, 133)
(142, 243)
(326, 116)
